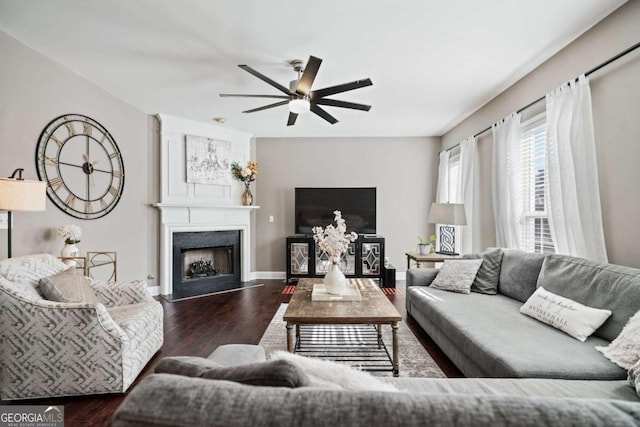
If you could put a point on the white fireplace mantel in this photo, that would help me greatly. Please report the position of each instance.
(202, 206)
(190, 207)
(179, 218)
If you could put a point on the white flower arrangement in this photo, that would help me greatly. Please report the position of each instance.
(334, 240)
(70, 233)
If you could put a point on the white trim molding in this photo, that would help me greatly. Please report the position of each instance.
(177, 219)
(269, 275)
(192, 207)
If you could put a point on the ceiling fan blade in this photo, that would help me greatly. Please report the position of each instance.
(322, 113)
(253, 96)
(342, 104)
(277, 104)
(266, 79)
(332, 90)
(292, 119)
(309, 75)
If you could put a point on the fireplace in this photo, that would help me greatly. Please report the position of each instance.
(205, 262)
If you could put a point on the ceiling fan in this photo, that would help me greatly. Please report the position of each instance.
(299, 96)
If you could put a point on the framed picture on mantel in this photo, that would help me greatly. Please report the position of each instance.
(208, 160)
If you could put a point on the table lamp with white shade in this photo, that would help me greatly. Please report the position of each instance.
(18, 194)
(449, 215)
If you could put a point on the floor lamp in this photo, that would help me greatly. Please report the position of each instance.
(448, 214)
(19, 194)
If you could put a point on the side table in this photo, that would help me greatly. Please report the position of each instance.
(97, 265)
(418, 258)
(102, 265)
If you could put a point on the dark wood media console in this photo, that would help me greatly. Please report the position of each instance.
(364, 258)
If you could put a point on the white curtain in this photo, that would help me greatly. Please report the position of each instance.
(574, 209)
(506, 181)
(469, 186)
(442, 191)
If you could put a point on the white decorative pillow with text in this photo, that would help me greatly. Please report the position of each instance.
(457, 275)
(565, 314)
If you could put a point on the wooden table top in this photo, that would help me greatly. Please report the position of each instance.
(374, 307)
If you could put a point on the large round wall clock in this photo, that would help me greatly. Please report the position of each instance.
(82, 165)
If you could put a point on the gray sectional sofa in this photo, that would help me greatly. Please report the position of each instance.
(188, 391)
(485, 335)
(569, 383)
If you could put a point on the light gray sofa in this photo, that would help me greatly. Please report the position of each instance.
(486, 335)
(52, 348)
(182, 393)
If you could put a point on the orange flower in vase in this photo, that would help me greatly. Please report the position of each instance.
(246, 175)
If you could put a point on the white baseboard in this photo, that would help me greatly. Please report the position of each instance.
(266, 275)
(275, 275)
(258, 275)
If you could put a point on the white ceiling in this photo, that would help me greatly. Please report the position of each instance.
(432, 63)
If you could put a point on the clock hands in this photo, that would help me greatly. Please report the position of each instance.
(88, 168)
(93, 169)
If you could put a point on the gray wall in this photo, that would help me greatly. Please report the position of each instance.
(402, 169)
(616, 108)
(33, 91)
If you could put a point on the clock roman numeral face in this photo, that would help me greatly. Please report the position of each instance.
(71, 201)
(87, 129)
(55, 183)
(48, 160)
(70, 128)
(82, 165)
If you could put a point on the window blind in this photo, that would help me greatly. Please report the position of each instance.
(535, 233)
(455, 190)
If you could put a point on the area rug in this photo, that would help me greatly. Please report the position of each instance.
(414, 359)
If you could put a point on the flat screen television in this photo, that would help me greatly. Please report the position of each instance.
(315, 206)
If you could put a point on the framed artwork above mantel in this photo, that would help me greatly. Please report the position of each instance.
(208, 160)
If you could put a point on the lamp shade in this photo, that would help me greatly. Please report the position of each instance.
(22, 195)
(447, 213)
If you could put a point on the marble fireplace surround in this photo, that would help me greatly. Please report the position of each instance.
(193, 218)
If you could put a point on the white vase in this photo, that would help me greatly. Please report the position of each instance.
(69, 251)
(424, 249)
(334, 281)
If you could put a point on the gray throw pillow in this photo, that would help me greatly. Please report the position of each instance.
(457, 275)
(275, 373)
(68, 286)
(486, 281)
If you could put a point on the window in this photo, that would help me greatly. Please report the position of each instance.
(454, 189)
(454, 193)
(535, 233)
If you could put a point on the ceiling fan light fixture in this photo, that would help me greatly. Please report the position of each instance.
(300, 105)
(299, 94)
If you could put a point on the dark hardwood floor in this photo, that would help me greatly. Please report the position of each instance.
(197, 326)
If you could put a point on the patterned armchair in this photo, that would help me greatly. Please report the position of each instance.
(60, 349)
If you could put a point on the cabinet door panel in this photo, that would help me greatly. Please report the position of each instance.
(299, 258)
(347, 261)
(371, 261)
